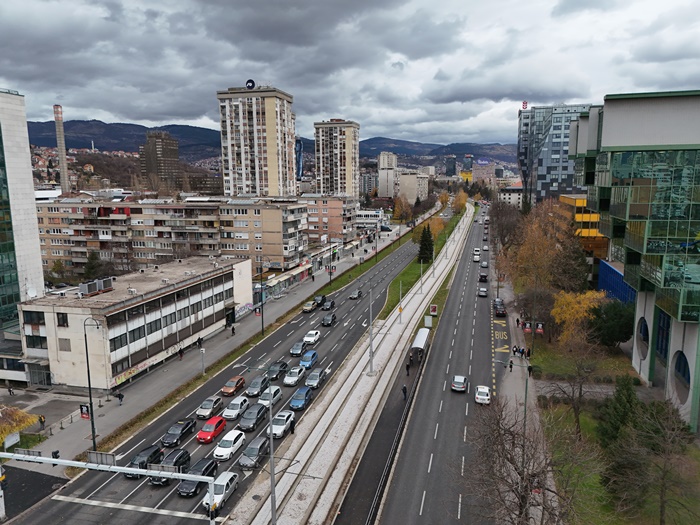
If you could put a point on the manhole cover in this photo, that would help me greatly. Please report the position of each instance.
(256, 497)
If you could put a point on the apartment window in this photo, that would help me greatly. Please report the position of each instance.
(169, 319)
(36, 341)
(257, 212)
(258, 247)
(240, 224)
(183, 313)
(257, 224)
(117, 342)
(151, 233)
(63, 344)
(258, 236)
(61, 319)
(137, 333)
(153, 326)
(33, 317)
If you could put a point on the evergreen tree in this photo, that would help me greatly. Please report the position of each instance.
(425, 251)
(617, 412)
(93, 266)
(613, 322)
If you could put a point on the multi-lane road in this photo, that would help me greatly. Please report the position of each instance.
(427, 484)
(97, 497)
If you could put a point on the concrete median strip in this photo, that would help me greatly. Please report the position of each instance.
(334, 430)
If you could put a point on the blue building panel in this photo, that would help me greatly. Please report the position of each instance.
(610, 280)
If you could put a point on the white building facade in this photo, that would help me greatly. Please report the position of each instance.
(337, 157)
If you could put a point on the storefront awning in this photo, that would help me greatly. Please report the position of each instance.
(300, 269)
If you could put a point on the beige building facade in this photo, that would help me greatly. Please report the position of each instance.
(337, 157)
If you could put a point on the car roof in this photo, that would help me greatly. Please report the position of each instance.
(303, 389)
(459, 378)
(213, 419)
(309, 353)
(174, 454)
(481, 388)
(318, 369)
(225, 476)
(285, 413)
(256, 442)
(231, 433)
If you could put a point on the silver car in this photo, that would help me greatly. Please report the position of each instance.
(235, 408)
(281, 424)
(255, 453)
(225, 485)
(210, 407)
(316, 378)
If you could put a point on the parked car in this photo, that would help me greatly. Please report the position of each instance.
(149, 455)
(257, 385)
(309, 306)
(179, 458)
(312, 337)
(229, 444)
(500, 311)
(210, 407)
(459, 384)
(255, 453)
(203, 467)
(235, 408)
(225, 485)
(233, 386)
(482, 395)
(328, 320)
(281, 424)
(277, 369)
(294, 375)
(357, 294)
(498, 302)
(309, 359)
(177, 431)
(211, 429)
(298, 348)
(301, 398)
(328, 305)
(316, 377)
(252, 417)
(385, 228)
(273, 393)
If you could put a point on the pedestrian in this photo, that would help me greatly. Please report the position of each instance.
(42, 422)
(410, 358)
(517, 322)
(233, 329)
(313, 278)
(292, 424)
(10, 390)
(120, 397)
(199, 342)
(403, 389)
(511, 365)
(408, 368)
(527, 354)
(515, 349)
(180, 353)
(529, 370)
(522, 352)
(420, 355)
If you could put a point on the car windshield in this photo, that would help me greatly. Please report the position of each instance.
(299, 395)
(219, 489)
(207, 403)
(298, 345)
(293, 372)
(234, 405)
(313, 375)
(208, 427)
(256, 382)
(231, 383)
(226, 443)
(265, 395)
(279, 420)
(251, 451)
(175, 429)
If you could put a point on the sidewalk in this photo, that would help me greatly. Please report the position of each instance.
(71, 435)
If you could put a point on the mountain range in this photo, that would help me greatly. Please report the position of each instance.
(197, 143)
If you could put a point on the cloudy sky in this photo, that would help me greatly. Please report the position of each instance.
(437, 71)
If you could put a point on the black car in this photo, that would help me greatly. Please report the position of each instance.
(328, 305)
(298, 348)
(252, 417)
(498, 302)
(178, 458)
(257, 385)
(320, 300)
(328, 320)
(278, 369)
(149, 455)
(486, 237)
(203, 467)
(483, 277)
(179, 430)
(500, 311)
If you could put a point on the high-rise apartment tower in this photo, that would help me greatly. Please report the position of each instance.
(338, 157)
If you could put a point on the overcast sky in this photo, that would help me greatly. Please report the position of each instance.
(439, 71)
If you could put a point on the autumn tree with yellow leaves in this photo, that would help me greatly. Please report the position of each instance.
(12, 420)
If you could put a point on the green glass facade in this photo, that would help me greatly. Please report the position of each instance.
(9, 282)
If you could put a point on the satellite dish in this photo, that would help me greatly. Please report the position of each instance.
(250, 83)
(31, 293)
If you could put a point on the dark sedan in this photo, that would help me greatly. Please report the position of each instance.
(203, 467)
(278, 369)
(328, 320)
(176, 432)
(328, 305)
(252, 417)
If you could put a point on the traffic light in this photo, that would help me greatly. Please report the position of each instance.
(55, 455)
(3, 484)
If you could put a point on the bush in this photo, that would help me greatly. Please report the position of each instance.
(608, 380)
(542, 401)
(597, 379)
(636, 381)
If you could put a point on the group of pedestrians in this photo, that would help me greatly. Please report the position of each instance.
(521, 352)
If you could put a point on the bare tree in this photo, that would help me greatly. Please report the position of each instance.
(515, 475)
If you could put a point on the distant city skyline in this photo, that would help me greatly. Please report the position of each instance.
(438, 72)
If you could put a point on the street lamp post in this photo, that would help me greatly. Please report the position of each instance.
(330, 263)
(87, 361)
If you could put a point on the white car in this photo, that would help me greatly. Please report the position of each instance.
(459, 384)
(281, 424)
(483, 292)
(482, 395)
(312, 337)
(235, 408)
(477, 258)
(225, 485)
(229, 444)
(273, 392)
(294, 375)
(485, 248)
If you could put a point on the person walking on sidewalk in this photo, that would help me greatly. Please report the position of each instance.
(410, 358)
(233, 329)
(511, 365)
(408, 368)
(120, 397)
(10, 390)
(529, 370)
(42, 422)
(180, 353)
(517, 322)
(403, 389)
(292, 424)
(515, 349)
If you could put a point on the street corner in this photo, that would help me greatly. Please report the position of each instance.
(26, 488)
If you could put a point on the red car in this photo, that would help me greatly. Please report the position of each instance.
(211, 429)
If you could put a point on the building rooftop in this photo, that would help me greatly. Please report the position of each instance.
(139, 285)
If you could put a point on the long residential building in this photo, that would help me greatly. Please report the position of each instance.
(639, 155)
(258, 140)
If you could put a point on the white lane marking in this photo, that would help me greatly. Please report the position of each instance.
(277, 344)
(364, 323)
(471, 352)
(469, 387)
(448, 368)
(290, 333)
(334, 347)
(470, 370)
(100, 487)
(138, 487)
(444, 385)
(137, 508)
(430, 463)
(422, 501)
(166, 496)
(466, 412)
(462, 466)
(260, 358)
(437, 425)
(246, 361)
(464, 438)
(343, 336)
(322, 360)
(120, 456)
(450, 355)
(459, 508)
(454, 332)
(344, 316)
(440, 409)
